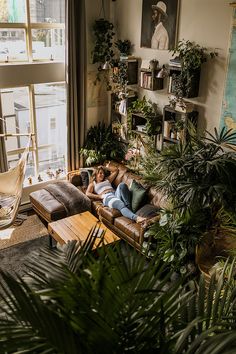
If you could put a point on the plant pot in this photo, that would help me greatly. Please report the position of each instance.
(184, 107)
(213, 246)
(124, 56)
(153, 64)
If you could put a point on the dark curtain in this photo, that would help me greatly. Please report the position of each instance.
(76, 79)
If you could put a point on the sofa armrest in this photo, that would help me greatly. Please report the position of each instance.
(74, 177)
(71, 174)
(147, 223)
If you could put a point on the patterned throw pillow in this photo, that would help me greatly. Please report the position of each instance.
(86, 174)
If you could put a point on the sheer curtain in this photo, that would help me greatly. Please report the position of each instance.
(76, 79)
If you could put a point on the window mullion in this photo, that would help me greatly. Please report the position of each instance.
(34, 128)
(28, 32)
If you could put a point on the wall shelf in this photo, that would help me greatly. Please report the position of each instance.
(150, 81)
(172, 121)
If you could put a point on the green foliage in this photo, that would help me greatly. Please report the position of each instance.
(191, 56)
(150, 112)
(124, 46)
(74, 301)
(197, 175)
(103, 48)
(103, 32)
(119, 76)
(198, 179)
(101, 144)
(176, 239)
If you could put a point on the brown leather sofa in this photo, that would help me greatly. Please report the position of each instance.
(50, 209)
(125, 228)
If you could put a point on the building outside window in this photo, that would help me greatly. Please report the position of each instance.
(32, 32)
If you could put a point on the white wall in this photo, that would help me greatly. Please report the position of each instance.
(208, 23)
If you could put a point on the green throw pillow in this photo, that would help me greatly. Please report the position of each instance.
(138, 195)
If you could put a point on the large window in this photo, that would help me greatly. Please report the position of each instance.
(33, 31)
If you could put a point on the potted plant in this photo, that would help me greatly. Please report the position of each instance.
(197, 178)
(153, 64)
(149, 110)
(101, 144)
(191, 57)
(124, 48)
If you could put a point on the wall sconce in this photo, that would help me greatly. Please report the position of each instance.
(162, 73)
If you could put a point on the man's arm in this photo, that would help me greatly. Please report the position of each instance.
(90, 193)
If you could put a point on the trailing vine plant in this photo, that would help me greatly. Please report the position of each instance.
(149, 110)
(103, 47)
(191, 56)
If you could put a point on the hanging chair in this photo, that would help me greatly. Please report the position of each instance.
(11, 187)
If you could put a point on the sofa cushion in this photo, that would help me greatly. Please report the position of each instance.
(129, 227)
(138, 195)
(86, 174)
(109, 214)
(148, 211)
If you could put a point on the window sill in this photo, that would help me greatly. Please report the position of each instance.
(29, 188)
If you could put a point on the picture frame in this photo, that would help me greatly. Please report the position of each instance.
(159, 27)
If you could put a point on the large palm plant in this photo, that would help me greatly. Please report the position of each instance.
(198, 178)
(197, 174)
(74, 301)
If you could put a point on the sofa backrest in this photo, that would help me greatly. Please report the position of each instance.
(125, 175)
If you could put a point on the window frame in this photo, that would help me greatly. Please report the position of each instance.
(55, 78)
(28, 26)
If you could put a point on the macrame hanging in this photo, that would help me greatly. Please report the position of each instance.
(11, 187)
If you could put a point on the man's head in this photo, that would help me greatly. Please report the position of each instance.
(159, 11)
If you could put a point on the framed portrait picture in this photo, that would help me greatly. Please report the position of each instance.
(159, 24)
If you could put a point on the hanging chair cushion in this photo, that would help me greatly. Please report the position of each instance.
(7, 203)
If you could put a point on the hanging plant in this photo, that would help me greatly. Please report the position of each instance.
(103, 32)
(103, 52)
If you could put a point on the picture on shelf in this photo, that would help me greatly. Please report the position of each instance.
(159, 24)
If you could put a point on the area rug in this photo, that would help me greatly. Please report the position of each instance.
(14, 259)
(31, 229)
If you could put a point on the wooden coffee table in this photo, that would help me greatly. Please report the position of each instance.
(77, 227)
